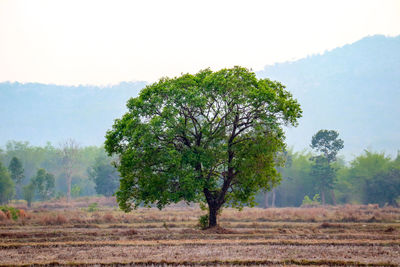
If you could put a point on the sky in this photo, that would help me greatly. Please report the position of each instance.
(105, 42)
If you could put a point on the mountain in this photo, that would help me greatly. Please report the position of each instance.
(354, 89)
(43, 112)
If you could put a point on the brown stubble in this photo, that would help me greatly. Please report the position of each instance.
(345, 235)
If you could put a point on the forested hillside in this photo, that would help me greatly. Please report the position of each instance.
(354, 89)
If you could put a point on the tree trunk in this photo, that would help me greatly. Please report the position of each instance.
(333, 197)
(323, 197)
(212, 217)
(18, 190)
(69, 188)
(273, 198)
(266, 200)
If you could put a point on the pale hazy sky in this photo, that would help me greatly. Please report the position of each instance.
(105, 42)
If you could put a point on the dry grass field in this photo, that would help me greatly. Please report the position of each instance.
(68, 234)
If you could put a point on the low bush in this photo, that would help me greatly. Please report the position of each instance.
(93, 207)
(10, 212)
(203, 222)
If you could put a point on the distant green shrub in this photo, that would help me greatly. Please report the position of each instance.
(93, 207)
(76, 191)
(307, 201)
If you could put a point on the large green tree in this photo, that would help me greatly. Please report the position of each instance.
(17, 173)
(328, 143)
(211, 137)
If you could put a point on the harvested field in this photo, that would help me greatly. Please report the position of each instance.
(170, 237)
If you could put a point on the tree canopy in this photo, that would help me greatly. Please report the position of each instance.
(16, 170)
(44, 184)
(327, 142)
(16, 173)
(211, 137)
(6, 185)
(104, 175)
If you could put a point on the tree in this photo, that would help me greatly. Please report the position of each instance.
(6, 185)
(211, 138)
(105, 176)
(384, 188)
(296, 180)
(29, 193)
(363, 170)
(327, 142)
(17, 173)
(44, 184)
(69, 156)
(323, 174)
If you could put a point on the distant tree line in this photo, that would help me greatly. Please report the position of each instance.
(41, 173)
(37, 173)
(371, 177)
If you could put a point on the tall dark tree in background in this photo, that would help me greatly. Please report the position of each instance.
(17, 174)
(6, 185)
(105, 176)
(69, 156)
(328, 143)
(210, 137)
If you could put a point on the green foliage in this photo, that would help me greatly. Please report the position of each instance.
(17, 173)
(203, 221)
(327, 142)
(384, 188)
(13, 211)
(6, 185)
(44, 184)
(323, 173)
(93, 207)
(104, 175)
(29, 193)
(311, 202)
(371, 178)
(322, 170)
(49, 158)
(296, 180)
(16, 170)
(76, 191)
(210, 137)
(363, 169)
